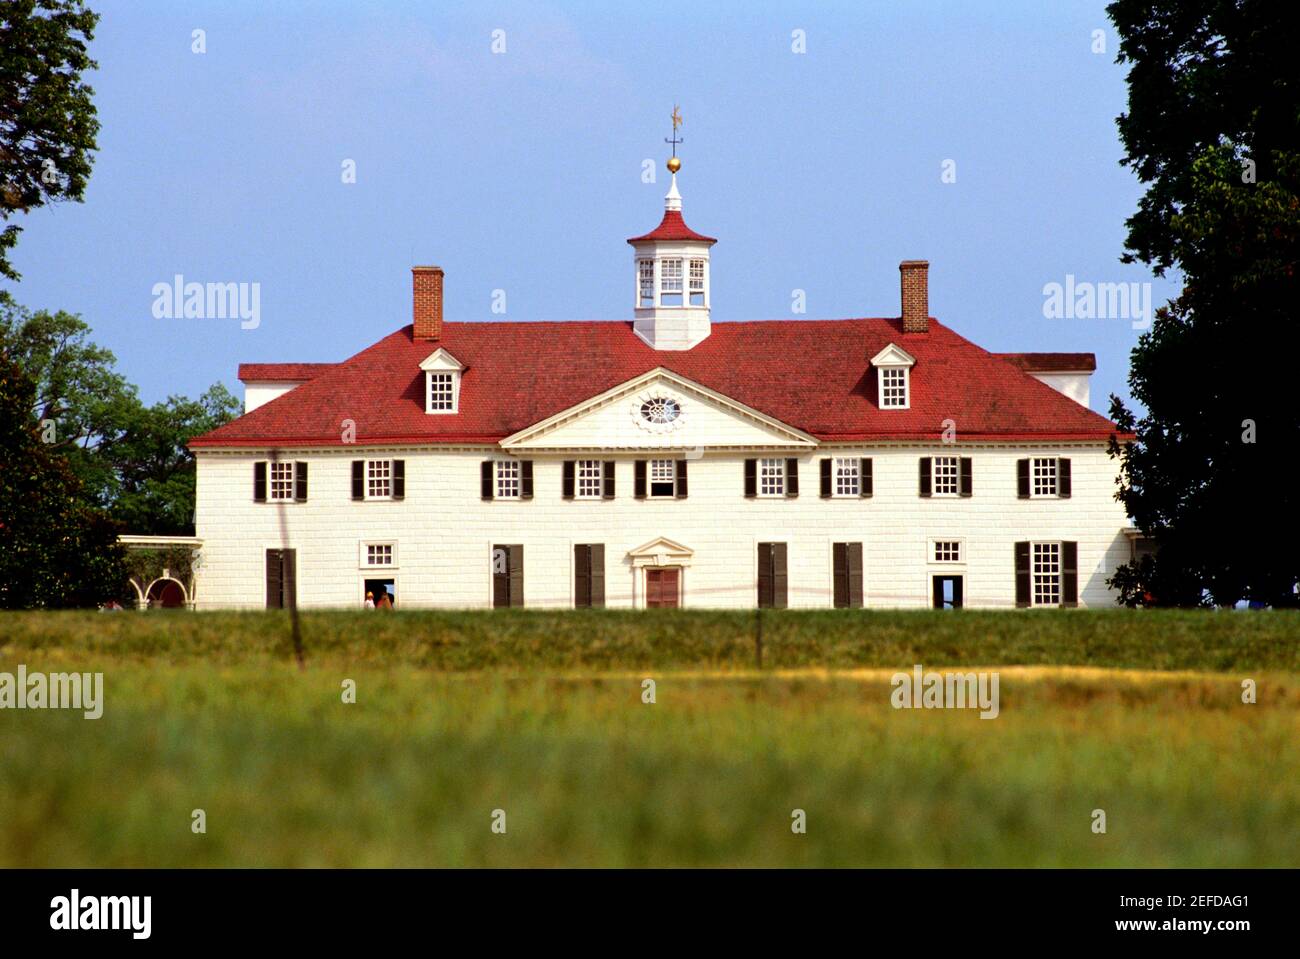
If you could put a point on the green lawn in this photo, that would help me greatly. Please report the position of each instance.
(540, 714)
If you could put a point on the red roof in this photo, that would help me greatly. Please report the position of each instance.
(281, 372)
(672, 227)
(1052, 362)
(811, 374)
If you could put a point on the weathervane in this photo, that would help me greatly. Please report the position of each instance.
(675, 164)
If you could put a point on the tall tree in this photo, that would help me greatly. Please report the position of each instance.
(56, 550)
(1213, 129)
(47, 118)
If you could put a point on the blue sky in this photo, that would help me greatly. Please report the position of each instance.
(521, 171)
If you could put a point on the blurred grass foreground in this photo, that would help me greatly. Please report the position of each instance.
(535, 723)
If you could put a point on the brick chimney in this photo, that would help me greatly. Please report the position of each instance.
(426, 297)
(915, 280)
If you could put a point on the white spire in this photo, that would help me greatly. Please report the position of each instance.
(673, 199)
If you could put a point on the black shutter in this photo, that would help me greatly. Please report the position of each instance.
(925, 476)
(273, 579)
(826, 478)
(967, 477)
(485, 486)
(638, 479)
(300, 482)
(854, 554)
(399, 479)
(1023, 594)
(608, 472)
(1022, 479)
(1063, 483)
(289, 576)
(358, 479)
(765, 575)
(779, 578)
(568, 479)
(866, 486)
(1070, 574)
(792, 477)
(681, 479)
(526, 479)
(840, 574)
(259, 481)
(516, 563)
(581, 575)
(500, 576)
(596, 571)
(751, 478)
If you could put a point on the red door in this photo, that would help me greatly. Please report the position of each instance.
(662, 587)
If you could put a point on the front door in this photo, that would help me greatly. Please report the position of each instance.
(663, 587)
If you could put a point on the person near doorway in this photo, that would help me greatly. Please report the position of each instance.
(370, 600)
(385, 601)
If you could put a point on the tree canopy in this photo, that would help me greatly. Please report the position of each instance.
(131, 458)
(56, 549)
(47, 118)
(1213, 129)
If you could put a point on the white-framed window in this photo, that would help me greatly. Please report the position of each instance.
(442, 391)
(697, 282)
(590, 479)
(663, 478)
(771, 477)
(893, 388)
(1045, 568)
(1043, 474)
(381, 554)
(947, 475)
(379, 479)
(507, 479)
(281, 475)
(947, 551)
(670, 282)
(848, 476)
(645, 282)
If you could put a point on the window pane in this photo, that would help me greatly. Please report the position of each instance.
(771, 476)
(589, 479)
(945, 472)
(378, 479)
(846, 476)
(507, 479)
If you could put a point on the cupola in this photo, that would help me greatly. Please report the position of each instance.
(671, 273)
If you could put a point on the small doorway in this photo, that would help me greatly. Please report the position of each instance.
(377, 589)
(947, 592)
(663, 587)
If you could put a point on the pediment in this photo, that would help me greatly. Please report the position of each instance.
(893, 355)
(635, 416)
(440, 359)
(661, 551)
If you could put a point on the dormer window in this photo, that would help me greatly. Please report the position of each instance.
(893, 378)
(893, 388)
(442, 392)
(442, 373)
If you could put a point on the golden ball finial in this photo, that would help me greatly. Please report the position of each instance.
(674, 165)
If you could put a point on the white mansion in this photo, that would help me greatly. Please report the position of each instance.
(666, 461)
